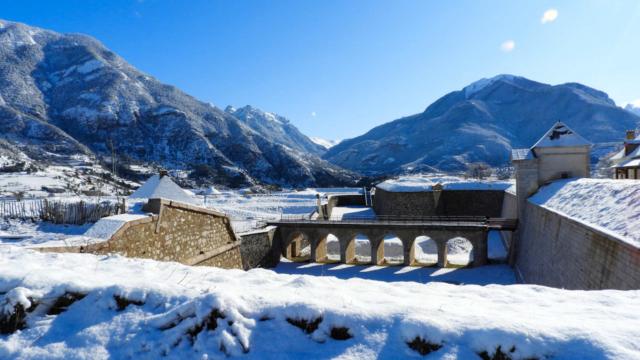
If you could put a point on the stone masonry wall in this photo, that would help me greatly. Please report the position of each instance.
(509, 211)
(556, 251)
(450, 203)
(177, 232)
(258, 249)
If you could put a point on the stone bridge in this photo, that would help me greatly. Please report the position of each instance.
(294, 234)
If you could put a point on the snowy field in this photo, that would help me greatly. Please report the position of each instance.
(64, 180)
(249, 211)
(145, 309)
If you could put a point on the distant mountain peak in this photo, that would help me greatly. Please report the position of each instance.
(483, 122)
(633, 107)
(325, 143)
(483, 83)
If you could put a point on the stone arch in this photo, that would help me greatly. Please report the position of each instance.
(298, 246)
(328, 248)
(392, 249)
(459, 252)
(362, 247)
(425, 251)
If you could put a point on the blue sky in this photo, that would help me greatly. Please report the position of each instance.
(338, 68)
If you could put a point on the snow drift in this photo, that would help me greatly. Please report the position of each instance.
(113, 307)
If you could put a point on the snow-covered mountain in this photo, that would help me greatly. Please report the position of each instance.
(325, 143)
(66, 94)
(633, 108)
(277, 128)
(483, 122)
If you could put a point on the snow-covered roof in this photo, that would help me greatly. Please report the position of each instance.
(521, 154)
(162, 187)
(416, 183)
(561, 135)
(609, 205)
(630, 163)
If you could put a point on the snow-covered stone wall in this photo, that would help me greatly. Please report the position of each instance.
(556, 250)
(258, 249)
(176, 232)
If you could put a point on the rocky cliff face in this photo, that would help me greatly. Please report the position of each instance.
(483, 122)
(64, 95)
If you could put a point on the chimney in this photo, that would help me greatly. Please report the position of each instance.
(631, 135)
(163, 173)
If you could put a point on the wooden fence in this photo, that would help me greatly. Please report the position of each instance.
(60, 211)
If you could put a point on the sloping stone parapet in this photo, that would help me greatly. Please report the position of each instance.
(174, 231)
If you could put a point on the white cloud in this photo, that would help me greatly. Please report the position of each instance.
(549, 16)
(508, 46)
(313, 114)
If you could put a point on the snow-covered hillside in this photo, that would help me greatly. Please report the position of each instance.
(127, 308)
(67, 95)
(633, 107)
(482, 123)
(327, 144)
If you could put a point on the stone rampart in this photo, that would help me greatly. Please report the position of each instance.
(344, 200)
(554, 250)
(447, 203)
(258, 249)
(176, 232)
(509, 211)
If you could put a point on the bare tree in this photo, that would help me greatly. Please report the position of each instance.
(478, 170)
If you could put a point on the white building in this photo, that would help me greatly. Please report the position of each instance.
(561, 153)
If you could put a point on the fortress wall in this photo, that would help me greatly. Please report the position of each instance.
(344, 200)
(557, 251)
(176, 232)
(509, 211)
(450, 203)
(258, 249)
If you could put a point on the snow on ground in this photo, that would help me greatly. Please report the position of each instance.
(28, 233)
(612, 206)
(249, 211)
(416, 183)
(352, 213)
(174, 303)
(484, 275)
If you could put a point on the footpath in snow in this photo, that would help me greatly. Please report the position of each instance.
(116, 307)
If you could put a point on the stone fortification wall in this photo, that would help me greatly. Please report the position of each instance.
(509, 211)
(343, 200)
(258, 249)
(554, 250)
(176, 232)
(450, 203)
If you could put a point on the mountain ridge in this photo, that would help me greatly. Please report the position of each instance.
(68, 95)
(482, 122)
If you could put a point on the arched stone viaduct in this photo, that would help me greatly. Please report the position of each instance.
(291, 235)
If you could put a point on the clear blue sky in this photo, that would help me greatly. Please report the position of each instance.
(338, 68)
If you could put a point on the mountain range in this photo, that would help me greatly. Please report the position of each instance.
(66, 99)
(66, 96)
(482, 123)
